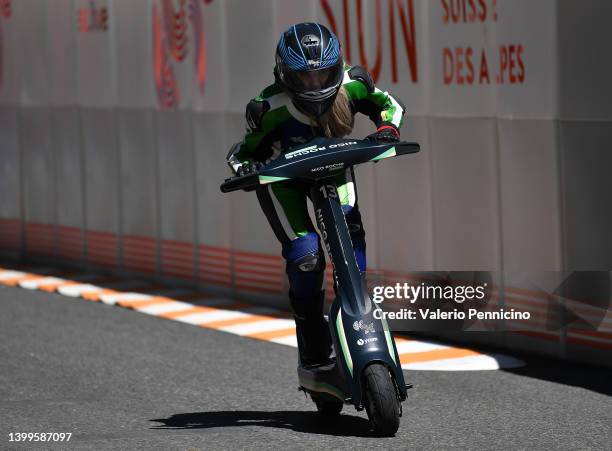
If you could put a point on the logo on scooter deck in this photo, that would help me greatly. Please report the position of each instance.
(367, 328)
(315, 148)
(329, 167)
(362, 341)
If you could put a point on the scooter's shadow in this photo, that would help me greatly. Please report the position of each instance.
(299, 421)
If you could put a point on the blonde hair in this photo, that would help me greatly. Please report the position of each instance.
(338, 121)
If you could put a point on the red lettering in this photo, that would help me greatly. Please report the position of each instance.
(82, 19)
(347, 31)
(407, 23)
(446, 15)
(374, 70)
(104, 19)
(521, 75)
(472, 16)
(482, 16)
(409, 32)
(511, 56)
(484, 69)
(459, 55)
(470, 66)
(329, 14)
(331, 19)
(448, 66)
(5, 8)
(455, 10)
(467, 11)
(158, 50)
(89, 19)
(458, 66)
(511, 64)
(503, 61)
(393, 46)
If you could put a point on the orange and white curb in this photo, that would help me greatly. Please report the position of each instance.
(238, 318)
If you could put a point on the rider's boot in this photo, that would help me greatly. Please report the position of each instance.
(312, 330)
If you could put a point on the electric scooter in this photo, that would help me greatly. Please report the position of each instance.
(366, 371)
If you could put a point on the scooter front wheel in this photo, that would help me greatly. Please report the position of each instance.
(381, 401)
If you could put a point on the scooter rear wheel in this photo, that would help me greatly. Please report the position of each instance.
(381, 402)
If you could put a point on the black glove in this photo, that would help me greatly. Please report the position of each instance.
(385, 133)
(249, 167)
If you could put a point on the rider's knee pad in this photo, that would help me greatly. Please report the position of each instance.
(301, 247)
(305, 267)
(314, 262)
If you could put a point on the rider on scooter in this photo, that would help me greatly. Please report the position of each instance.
(315, 94)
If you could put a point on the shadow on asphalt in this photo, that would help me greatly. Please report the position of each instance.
(591, 378)
(299, 421)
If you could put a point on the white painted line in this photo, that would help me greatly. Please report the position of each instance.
(75, 291)
(112, 299)
(7, 275)
(414, 346)
(166, 307)
(207, 317)
(289, 340)
(33, 284)
(259, 326)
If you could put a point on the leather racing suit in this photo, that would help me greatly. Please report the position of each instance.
(274, 125)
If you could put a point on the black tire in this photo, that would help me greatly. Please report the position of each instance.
(380, 400)
(327, 408)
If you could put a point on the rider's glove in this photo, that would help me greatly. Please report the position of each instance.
(248, 167)
(385, 133)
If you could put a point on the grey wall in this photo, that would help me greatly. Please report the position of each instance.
(113, 138)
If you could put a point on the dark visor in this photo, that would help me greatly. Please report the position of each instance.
(315, 80)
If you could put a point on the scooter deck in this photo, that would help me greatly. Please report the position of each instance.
(323, 380)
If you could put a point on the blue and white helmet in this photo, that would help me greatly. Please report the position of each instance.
(309, 67)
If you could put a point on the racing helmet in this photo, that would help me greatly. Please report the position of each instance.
(309, 67)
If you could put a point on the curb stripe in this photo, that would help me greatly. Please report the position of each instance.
(259, 326)
(282, 333)
(237, 321)
(162, 306)
(243, 319)
(437, 354)
(191, 311)
(141, 304)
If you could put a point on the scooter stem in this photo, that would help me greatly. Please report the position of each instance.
(335, 234)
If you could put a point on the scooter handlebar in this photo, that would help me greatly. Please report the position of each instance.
(405, 148)
(245, 182)
(314, 157)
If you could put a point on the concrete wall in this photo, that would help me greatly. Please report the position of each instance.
(115, 118)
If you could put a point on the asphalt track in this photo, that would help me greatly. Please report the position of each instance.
(118, 379)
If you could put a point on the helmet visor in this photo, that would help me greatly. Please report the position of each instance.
(315, 83)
